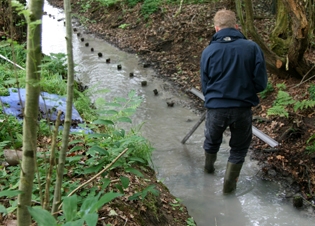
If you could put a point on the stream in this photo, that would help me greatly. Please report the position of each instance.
(178, 166)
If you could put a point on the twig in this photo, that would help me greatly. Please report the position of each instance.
(192, 19)
(102, 171)
(179, 9)
(305, 76)
(52, 161)
(11, 62)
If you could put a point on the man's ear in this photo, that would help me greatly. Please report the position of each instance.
(216, 28)
(236, 26)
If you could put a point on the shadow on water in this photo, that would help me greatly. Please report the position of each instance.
(178, 166)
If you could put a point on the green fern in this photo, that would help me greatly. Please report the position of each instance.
(281, 86)
(279, 106)
(267, 91)
(304, 104)
(283, 99)
(311, 91)
(311, 147)
(278, 110)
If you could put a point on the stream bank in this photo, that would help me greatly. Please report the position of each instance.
(172, 46)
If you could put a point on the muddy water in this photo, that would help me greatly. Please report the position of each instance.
(179, 167)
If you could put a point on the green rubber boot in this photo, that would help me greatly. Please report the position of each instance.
(209, 163)
(231, 176)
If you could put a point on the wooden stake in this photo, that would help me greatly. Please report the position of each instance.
(203, 117)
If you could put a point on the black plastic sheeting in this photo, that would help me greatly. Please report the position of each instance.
(49, 105)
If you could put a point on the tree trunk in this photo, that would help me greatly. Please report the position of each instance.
(286, 54)
(280, 36)
(299, 40)
(272, 60)
(33, 61)
(67, 123)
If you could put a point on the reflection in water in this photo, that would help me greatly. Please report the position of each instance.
(179, 166)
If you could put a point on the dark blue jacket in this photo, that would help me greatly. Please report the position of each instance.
(233, 71)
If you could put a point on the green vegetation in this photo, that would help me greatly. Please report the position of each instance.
(269, 89)
(102, 139)
(190, 222)
(123, 26)
(284, 102)
(311, 145)
(148, 7)
(311, 91)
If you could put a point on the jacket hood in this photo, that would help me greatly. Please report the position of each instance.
(227, 35)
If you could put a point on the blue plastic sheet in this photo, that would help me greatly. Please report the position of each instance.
(49, 105)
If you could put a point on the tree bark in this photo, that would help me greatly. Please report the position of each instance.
(33, 61)
(68, 115)
(289, 43)
(270, 57)
(280, 36)
(299, 40)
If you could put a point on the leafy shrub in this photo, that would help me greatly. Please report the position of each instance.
(55, 63)
(10, 130)
(149, 7)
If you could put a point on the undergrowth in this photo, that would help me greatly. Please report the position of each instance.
(285, 104)
(103, 137)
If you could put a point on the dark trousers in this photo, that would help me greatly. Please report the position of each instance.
(240, 122)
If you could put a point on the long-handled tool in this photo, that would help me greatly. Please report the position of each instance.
(264, 137)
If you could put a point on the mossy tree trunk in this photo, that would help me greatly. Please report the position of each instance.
(281, 35)
(33, 60)
(250, 31)
(289, 39)
(299, 38)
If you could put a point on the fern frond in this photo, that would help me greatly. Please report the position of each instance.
(283, 99)
(281, 86)
(311, 138)
(278, 110)
(304, 104)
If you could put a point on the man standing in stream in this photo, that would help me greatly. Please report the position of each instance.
(233, 71)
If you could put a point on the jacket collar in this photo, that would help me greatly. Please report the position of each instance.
(227, 35)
